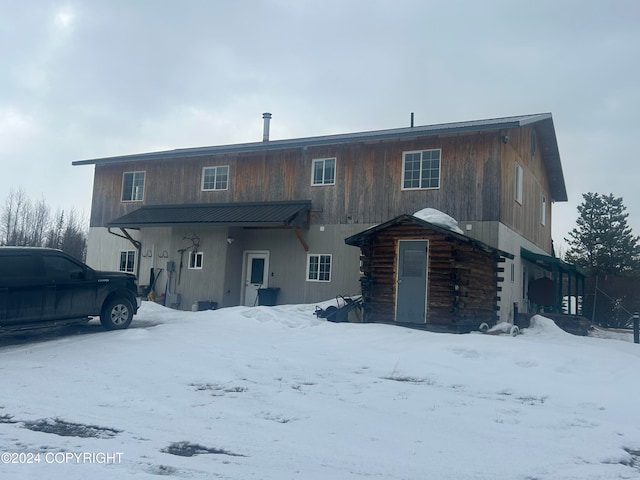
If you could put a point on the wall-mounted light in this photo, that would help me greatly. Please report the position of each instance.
(164, 254)
(148, 253)
(230, 240)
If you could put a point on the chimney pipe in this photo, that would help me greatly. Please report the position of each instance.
(411, 119)
(265, 132)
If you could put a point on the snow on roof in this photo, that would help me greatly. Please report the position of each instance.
(438, 218)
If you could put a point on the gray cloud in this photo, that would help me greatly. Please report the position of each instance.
(88, 79)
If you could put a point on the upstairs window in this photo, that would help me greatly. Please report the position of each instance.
(319, 268)
(421, 169)
(543, 210)
(133, 186)
(127, 261)
(215, 178)
(518, 183)
(323, 171)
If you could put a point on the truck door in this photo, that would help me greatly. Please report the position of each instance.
(75, 286)
(22, 288)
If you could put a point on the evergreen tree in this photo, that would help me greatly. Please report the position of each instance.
(602, 242)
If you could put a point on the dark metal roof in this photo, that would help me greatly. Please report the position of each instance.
(543, 121)
(267, 214)
(550, 263)
(361, 238)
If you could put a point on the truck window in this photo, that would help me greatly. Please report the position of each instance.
(19, 266)
(61, 268)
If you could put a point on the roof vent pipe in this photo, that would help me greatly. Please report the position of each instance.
(265, 132)
(411, 119)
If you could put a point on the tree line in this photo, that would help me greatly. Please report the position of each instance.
(24, 222)
(604, 246)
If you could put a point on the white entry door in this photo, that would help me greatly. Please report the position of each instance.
(256, 275)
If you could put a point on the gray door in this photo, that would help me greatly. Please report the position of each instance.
(411, 290)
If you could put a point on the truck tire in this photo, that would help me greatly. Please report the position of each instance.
(116, 314)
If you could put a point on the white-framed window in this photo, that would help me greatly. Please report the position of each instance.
(215, 178)
(421, 169)
(196, 260)
(133, 186)
(319, 268)
(127, 261)
(543, 210)
(518, 183)
(323, 171)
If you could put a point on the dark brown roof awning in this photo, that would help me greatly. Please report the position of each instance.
(255, 214)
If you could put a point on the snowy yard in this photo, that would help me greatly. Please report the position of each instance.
(275, 393)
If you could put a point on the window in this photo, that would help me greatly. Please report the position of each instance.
(133, 186)
(518, 184)
(19, 266)
(127, 261)
(543, 210)
(324, 171)
(195, 260)
(215, 178)
(421, 170)
(319, 268)
(61, 268)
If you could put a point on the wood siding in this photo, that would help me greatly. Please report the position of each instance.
(368, 180)
(525, 218)
(462, 280)
(476, 182)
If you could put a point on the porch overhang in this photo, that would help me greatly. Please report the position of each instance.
(549, 263)
(550, 292)
(292, 215)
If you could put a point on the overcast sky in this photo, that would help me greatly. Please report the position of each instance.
(87, 79)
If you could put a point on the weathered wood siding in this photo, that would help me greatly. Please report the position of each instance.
(462, 281)
(525, 218)
(368, 185)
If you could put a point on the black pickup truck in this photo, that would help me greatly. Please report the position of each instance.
(42, 287)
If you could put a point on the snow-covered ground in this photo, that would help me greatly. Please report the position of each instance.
(275, 393)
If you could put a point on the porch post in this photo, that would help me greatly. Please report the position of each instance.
(557, 275)
(569, 296)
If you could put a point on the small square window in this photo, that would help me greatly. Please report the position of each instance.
(196, 260)
(323, 171)
(127, 261)
(133, 186)
(215, 178)
(319, 268)
(421, 170)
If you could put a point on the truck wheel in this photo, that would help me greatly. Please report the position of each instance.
(116, 314)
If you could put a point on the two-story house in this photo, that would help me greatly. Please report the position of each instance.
(217, 223)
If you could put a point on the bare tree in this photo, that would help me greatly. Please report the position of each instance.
(14, 217)
(27, 224)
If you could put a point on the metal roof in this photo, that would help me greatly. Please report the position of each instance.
(550, 263)
(254, 214)
(544, 121)
(361, 238)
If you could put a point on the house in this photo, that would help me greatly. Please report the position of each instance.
(420, 273)
(220, 223)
